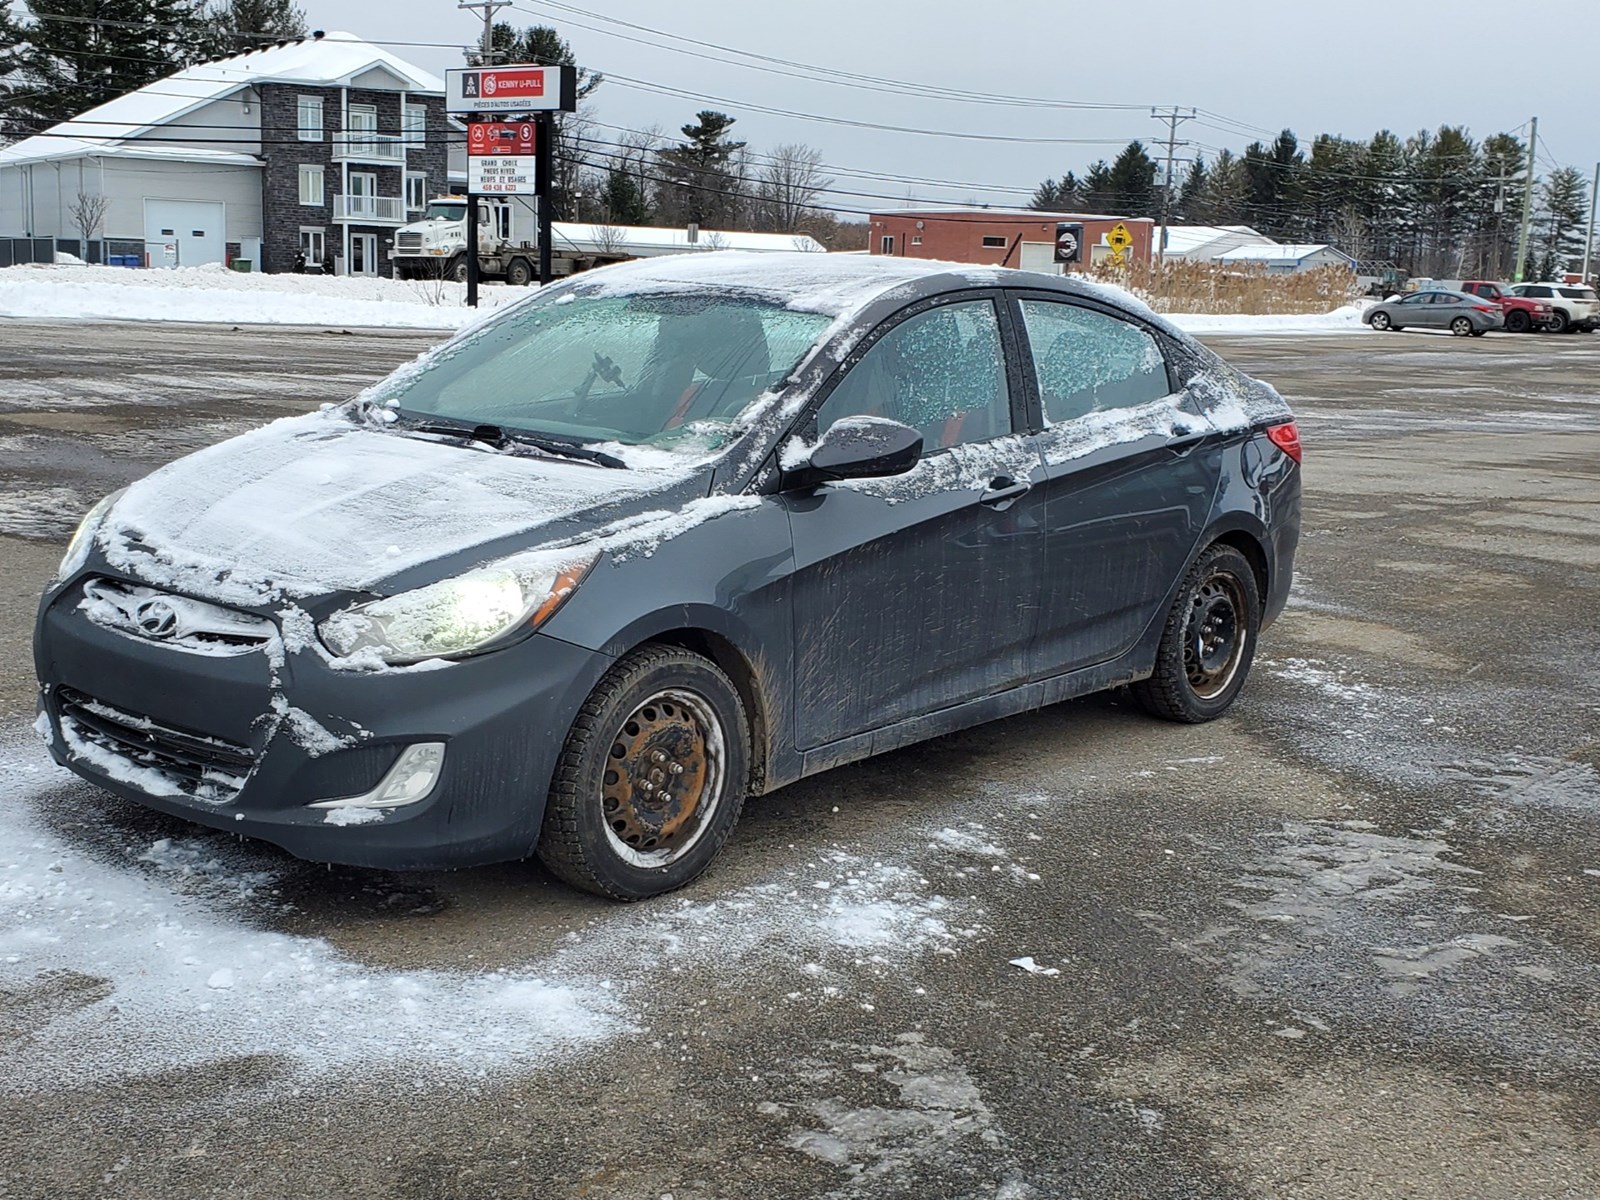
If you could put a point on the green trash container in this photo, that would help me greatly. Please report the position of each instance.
(240, 264)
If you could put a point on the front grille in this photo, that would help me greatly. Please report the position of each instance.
(195, 764)
(408, 241)
(177, 621)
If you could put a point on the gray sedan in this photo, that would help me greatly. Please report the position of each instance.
(1461, 314)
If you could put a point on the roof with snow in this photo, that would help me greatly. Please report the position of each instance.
(644, 241)
(1279, 254)
(328, 60)
(1183, 239)
(1002, 213)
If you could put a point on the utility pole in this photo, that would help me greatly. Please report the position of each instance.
(1527, 202)
(1172, 117)
(1588, 242)
(486, 58)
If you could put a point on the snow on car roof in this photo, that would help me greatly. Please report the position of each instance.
(332, 59)
(831, 284)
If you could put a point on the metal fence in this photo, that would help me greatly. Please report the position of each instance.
(113, 252)
(14, 251)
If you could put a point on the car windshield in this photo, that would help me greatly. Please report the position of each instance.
(647, 369)
(1577, 293)
(441, 211)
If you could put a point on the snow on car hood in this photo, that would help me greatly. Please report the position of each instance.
(311, 505)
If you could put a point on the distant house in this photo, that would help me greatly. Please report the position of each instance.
(1203, 243)
(319, 146)
(1285, 260)
(1002, 237)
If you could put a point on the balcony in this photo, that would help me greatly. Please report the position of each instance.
(369, 148)
(370, 210)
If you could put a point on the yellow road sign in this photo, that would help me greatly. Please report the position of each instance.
(1119, 239)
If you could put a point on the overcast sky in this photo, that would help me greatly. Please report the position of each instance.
(1325, 66)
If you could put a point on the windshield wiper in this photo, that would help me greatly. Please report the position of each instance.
(501, 439)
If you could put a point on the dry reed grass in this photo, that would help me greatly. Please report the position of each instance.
(1181, 286)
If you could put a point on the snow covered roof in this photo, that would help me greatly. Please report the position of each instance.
(644, 241)
(1001, 213)
(1273, 254)
(327, 61)
(1182, 239)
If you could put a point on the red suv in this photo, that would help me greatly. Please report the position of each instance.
(1521, 313)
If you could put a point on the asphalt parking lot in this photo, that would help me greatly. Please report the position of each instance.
(1343, 943)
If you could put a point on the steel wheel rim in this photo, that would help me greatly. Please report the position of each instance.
(1214, 635)
(1461, 326)
(1381, 321)
(663, 778)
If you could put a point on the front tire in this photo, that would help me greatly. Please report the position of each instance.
(1208, 643)
(1517, 321)
(1380, 321)
(652, 777)
(456, 270)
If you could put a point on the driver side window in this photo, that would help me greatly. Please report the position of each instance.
(942, 372)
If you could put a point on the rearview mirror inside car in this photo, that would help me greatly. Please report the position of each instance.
(859, 448)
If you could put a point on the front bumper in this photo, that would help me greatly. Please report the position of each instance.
(308, 732)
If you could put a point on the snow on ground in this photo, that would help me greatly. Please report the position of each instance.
(124, 954)
(215, 295)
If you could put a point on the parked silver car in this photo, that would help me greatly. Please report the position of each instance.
(1458, 312)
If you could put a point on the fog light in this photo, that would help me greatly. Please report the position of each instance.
(412, 778)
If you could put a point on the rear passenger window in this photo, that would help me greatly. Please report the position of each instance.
(1088, 362)
(942, 372)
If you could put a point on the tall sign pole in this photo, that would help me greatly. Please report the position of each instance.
(1527, 202)
(486, 57)
(1588, 242)
(544, 159)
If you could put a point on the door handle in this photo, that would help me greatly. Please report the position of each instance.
(1002, 490)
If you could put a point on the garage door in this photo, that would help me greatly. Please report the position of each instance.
(1039, 256)
(183, 233)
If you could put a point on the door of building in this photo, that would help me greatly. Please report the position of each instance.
(363, 254)
(184, 233)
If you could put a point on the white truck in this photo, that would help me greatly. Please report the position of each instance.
(508, 242)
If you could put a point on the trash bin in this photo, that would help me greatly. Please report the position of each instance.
(241, 265)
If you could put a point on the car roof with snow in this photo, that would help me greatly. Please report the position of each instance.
(836, 285)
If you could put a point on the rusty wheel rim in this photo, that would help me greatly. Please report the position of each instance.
(663, 778)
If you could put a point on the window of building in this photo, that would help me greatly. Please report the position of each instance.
(916, 239)
(886, 246)
(416, 124)
(313, 243)
(941, 372)
(1087, 362)
(416, 191)
(993, 242)
(310, 118)
(311, 186)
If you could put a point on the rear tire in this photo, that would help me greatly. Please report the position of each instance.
(1558, 322)
(1461, 327)
(652, 777)
(1208, 643)
(519, 273)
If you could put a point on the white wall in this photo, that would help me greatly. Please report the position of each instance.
(128, 182)
(224, 121)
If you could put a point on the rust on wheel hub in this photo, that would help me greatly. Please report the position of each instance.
(655, 777)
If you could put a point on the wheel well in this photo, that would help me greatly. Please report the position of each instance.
(1247, 545)
(743, 674)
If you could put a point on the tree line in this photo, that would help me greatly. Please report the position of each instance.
(1437, 203)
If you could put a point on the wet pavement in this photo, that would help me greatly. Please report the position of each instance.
(1344, 942)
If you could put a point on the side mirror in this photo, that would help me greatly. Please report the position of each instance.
(859, 448)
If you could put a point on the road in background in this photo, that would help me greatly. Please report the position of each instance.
(1343, 942)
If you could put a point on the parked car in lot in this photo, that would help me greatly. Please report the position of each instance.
(1458, 312)
(1574, 309)
(661, 537)
(1522, 314)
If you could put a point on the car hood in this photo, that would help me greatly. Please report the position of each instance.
(317, 505)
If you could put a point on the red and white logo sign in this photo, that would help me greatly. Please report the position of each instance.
(510, 89)
(527, 83)
(512, 138)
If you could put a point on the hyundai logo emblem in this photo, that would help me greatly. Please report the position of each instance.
(156, 619)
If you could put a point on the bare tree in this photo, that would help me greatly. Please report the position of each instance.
(87, 213)
(789, 185)
(610, 240)
(714, 241)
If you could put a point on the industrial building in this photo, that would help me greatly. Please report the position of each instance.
(1019, 237)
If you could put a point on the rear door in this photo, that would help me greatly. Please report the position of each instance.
(1129, 478)
(918, 592)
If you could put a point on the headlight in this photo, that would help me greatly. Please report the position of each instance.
(83, 536)
(460, 615)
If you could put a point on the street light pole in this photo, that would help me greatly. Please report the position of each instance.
(1588, 242)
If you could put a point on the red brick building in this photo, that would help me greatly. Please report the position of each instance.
(999, 237)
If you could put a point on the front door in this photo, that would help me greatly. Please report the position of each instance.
(363, 254)
(917, 592)
(1129, 482)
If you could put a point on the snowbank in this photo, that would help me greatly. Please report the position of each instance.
(1346, 319)
(216, 295)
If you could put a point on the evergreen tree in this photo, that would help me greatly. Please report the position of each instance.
(623, 200)
(1274, 175)
(702, 184)
(235, 26)
(1063, 195)
(74, 55)
(1096, 189)
(1561, 223)
(13, 44)
(1225, 195)
(1132, 182)
(1194, 183)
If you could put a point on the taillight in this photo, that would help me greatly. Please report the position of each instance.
(1286, 438)
(1484, 308)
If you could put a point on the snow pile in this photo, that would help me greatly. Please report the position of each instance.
(215, 295)
(1345, 319)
